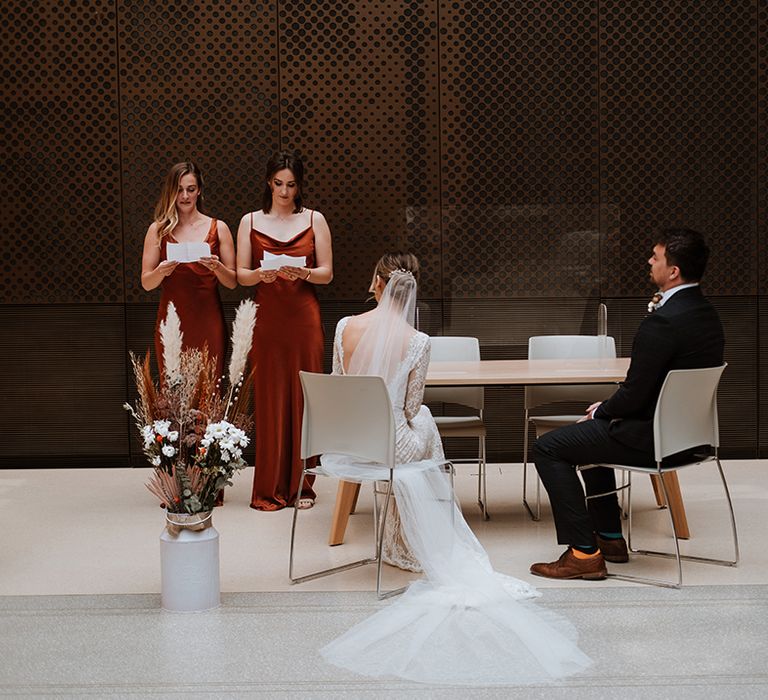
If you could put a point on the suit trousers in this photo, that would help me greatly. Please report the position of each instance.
(557, 453)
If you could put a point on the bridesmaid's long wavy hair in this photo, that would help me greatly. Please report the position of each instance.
(284, 160)
(166, 214)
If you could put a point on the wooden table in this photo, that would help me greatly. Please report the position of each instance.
(518, 373)
(522, 372)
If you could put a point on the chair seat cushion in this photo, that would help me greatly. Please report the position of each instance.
(460, 426)
(350, 469)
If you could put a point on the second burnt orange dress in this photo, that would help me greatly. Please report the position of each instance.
(288, 337)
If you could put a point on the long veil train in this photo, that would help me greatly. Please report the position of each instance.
(464, 624)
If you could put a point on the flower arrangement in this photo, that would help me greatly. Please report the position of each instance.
(192, 423)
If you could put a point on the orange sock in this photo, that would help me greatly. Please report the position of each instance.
(584, 555)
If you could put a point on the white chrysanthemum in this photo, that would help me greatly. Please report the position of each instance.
(162, 426)
(224, 456)
(148, 434)
(169, 450)
(156, 461)
(173, 435)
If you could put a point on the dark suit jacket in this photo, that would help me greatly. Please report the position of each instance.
(684, 333)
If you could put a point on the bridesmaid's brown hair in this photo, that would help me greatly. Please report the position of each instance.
(284, 160)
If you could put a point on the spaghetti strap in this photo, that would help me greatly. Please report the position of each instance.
(311, 216)
(214, 230)
(251, 221)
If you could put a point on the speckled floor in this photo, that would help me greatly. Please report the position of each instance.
(80, 617)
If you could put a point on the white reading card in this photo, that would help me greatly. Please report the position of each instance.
(187, 252)
(275, 262)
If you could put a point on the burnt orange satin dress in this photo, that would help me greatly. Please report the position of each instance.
(288, 337)
(194, 291)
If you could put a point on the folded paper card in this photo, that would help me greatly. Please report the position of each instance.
(187, 252)
(275, 262)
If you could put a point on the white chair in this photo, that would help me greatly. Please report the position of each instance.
(560, 347)
(349, 415)
(456, 349)
(685, 418)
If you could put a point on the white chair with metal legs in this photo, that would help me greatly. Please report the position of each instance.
(560, 347)
(454, 349)
(685, 418)
(349, 415)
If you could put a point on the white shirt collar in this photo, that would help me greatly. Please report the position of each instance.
(666, 296)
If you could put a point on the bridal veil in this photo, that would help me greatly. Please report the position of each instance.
(464, 623)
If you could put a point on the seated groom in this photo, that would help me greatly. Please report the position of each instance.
(683, 331)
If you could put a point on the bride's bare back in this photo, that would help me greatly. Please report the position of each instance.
(356, 328)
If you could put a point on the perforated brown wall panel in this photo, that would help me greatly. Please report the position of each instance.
(197, 82)
(526, 151)
(519, 129)
(59, 177)
(64, 391)
(678, 134)
(762, 153)
(359, 97)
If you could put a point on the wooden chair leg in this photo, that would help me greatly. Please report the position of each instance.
(346, 499)
(657, 491)
(676, 506)
(353, 508)
(676, 501)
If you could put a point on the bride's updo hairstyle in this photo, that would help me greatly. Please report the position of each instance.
(389, 262)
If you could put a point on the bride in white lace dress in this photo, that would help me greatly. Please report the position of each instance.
(463, 623)
(417, 437)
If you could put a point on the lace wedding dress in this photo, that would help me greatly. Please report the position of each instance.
(463, 623)
(417, 437)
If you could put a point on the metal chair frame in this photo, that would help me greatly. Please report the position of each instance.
(350, 415)
(705, 382)
(449, 348)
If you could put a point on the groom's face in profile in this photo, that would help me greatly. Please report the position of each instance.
(662, 274)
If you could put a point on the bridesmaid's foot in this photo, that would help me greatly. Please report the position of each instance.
(305, 503)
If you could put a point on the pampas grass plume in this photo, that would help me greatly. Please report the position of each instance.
(242, 337)
(171, 336)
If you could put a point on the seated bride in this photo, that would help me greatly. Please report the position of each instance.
(463, 623)
(361, 347)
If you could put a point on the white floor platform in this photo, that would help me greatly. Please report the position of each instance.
(94, 531)
(75, 542)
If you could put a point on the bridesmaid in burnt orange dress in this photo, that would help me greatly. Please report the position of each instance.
(192, 287)
(288, 336)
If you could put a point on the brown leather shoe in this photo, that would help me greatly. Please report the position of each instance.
(569, 566)
(614, 551)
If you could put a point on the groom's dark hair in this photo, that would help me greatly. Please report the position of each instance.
(686, 249)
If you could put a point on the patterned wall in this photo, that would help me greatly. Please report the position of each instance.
(525, 151)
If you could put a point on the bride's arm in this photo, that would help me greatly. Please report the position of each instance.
(338, 367)
(414, 393)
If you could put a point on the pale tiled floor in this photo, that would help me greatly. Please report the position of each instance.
(93, 534)
(96, 531)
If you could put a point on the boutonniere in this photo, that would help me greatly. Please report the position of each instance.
(654, 302)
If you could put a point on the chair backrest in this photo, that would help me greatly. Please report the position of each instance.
(455, 349)
(686, 411)
(349, 415)
(569, 347)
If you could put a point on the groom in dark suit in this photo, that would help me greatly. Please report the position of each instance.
(682, 331)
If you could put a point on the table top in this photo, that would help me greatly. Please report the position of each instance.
(521, 372)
